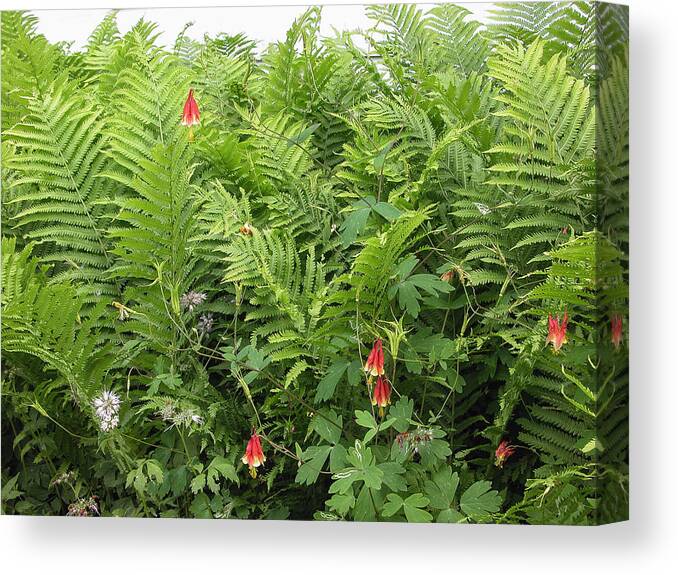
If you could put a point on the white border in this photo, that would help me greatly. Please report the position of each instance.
(647, 544)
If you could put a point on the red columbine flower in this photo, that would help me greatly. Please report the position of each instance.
(617, 324)
(191, 115)
(557, 331)
(375, 361)
(254, 456)
(504, 451)
(382, 394)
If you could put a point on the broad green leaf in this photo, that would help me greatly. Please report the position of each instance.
(328, 425)
(354, 224)
(154, 471)
(393, 504)
(480, 500)
(442, 489)
(200, 507)
(408, 298)
(328, 383)
(303, 135)
(338, 458)
(387, 211)
(401, 411)
(314, 461)
(451, 516)
(198, 483)
(393, 475)
(413, 507)
(341, 503)
(365, 419)
(220, 467)
(365, 505)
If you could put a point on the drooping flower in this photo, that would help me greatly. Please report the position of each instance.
(246, 229)
(381, 396)
(557, 331)
(106, 407)
(375, 361)
(617, 328)
(254, 455)
(192, 299)
(191, 114)
(447, 276)
(503, 452)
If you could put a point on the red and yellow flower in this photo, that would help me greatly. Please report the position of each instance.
(191, 115)
(503, 452)
(254, 455)
(617, 330)
(557, 331)
(381, 396)
(375, 361)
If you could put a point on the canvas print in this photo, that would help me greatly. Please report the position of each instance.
(339, 263)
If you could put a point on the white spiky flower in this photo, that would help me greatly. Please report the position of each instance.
(109, 424)
(106, 407)
(192, 299)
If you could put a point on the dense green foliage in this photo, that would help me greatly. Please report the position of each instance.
(438, 183)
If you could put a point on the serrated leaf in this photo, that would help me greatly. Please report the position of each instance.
(198, 483)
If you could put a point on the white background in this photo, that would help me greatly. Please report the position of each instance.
(647, 544)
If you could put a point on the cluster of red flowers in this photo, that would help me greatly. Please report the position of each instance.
(557, 334)
(381, 390)
(374, 366)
